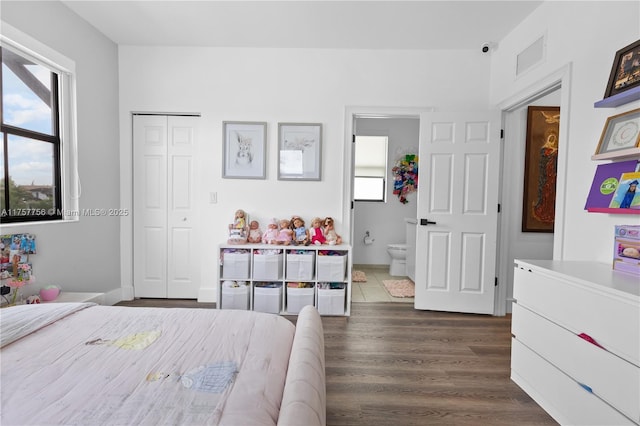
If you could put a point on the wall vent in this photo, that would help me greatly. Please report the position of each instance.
(530, 56)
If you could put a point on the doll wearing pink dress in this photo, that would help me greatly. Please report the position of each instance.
(285, 235)
(270, 236)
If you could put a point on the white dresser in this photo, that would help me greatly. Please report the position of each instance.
(576, 341)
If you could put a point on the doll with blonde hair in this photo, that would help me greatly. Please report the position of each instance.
(316, 233)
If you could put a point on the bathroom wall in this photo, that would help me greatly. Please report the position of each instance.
(384, 221)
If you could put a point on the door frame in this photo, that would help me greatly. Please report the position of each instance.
(351, 114)
(557, 80)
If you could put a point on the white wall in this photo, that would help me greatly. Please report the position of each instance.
(282, 85)
(385, 221)
(585, 35)
(83, 255)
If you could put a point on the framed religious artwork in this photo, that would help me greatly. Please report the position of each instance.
(540, 169)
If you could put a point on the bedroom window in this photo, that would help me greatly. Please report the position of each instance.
(30, 173)
(370, 171)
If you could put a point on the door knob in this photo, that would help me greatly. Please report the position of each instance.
(425, 222)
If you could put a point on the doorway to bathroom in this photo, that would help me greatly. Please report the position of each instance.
(379, 218)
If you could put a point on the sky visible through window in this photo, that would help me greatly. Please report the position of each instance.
(30, 163)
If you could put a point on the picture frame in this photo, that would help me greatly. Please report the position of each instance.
(299, 151)
(620, 132)
(625, 71)
(244, 149)
(540, 169)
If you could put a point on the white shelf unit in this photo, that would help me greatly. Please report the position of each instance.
(309, 265)
(576, 344)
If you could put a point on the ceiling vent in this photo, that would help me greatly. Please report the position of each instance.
(532, 55)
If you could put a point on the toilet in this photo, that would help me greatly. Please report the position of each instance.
(398, 253)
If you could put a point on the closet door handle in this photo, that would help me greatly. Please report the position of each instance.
(425, 222)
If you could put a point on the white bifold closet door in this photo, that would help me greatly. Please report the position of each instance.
(166, 220)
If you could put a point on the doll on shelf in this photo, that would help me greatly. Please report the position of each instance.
(270, 236)
(300, 233)
(240, 219)
(316, 233)
(285, 234)
(255, 234)
(330, 233)
(238, 229)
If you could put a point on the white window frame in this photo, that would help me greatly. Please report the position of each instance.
(38, 52)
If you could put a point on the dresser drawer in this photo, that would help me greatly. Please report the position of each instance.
(611, 321)
(609, 377)
(556, 393)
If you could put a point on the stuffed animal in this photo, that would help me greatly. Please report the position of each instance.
(330, 233)
(285, 234)
(271, 234)
(300, 233)
(316, 233)
(255, 234)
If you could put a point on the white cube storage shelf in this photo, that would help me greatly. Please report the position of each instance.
(268, 276)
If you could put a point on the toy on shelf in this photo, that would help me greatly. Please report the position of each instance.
(300, 233)
(316, 233)
(330, 233)
(285, 234)
(238, 230)
(270, 236)
(255, 234)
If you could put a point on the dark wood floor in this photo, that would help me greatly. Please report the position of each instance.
(389, 364)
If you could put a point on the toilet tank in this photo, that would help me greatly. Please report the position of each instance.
(411, 230)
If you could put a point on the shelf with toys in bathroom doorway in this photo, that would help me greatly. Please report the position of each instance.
(289, 264)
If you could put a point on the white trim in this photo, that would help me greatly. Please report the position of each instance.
(560, 79)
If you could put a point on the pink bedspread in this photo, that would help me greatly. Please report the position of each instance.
(121, 366)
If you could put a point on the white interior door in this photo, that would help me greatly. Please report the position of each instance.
(457, 212)
(165, 210)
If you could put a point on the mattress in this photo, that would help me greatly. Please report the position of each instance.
(85, 364)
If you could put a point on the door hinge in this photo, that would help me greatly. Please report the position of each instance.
(499, 208)
(496, 282)
(501, 133)
(352, 205)
(353, 139)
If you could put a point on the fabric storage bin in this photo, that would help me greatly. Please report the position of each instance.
(267, 266)
(331, 301)
(300, 266)
(267, 299)
(332, 267)
(297, 298)
(235, 297)
(235, 265)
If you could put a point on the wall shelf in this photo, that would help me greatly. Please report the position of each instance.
(618, 155)
(612, 210)
(625, 97)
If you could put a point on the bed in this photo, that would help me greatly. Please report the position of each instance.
(86, 364)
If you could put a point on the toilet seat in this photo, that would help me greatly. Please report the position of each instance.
(398, 246)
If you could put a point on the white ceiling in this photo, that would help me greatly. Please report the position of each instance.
(413, 24)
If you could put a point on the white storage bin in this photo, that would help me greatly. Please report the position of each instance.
(331, 301)
(235, 265)
(300, 266)
(267, 299)
(267, 266)
(332, 268)
(297, 298)
(235, 297)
